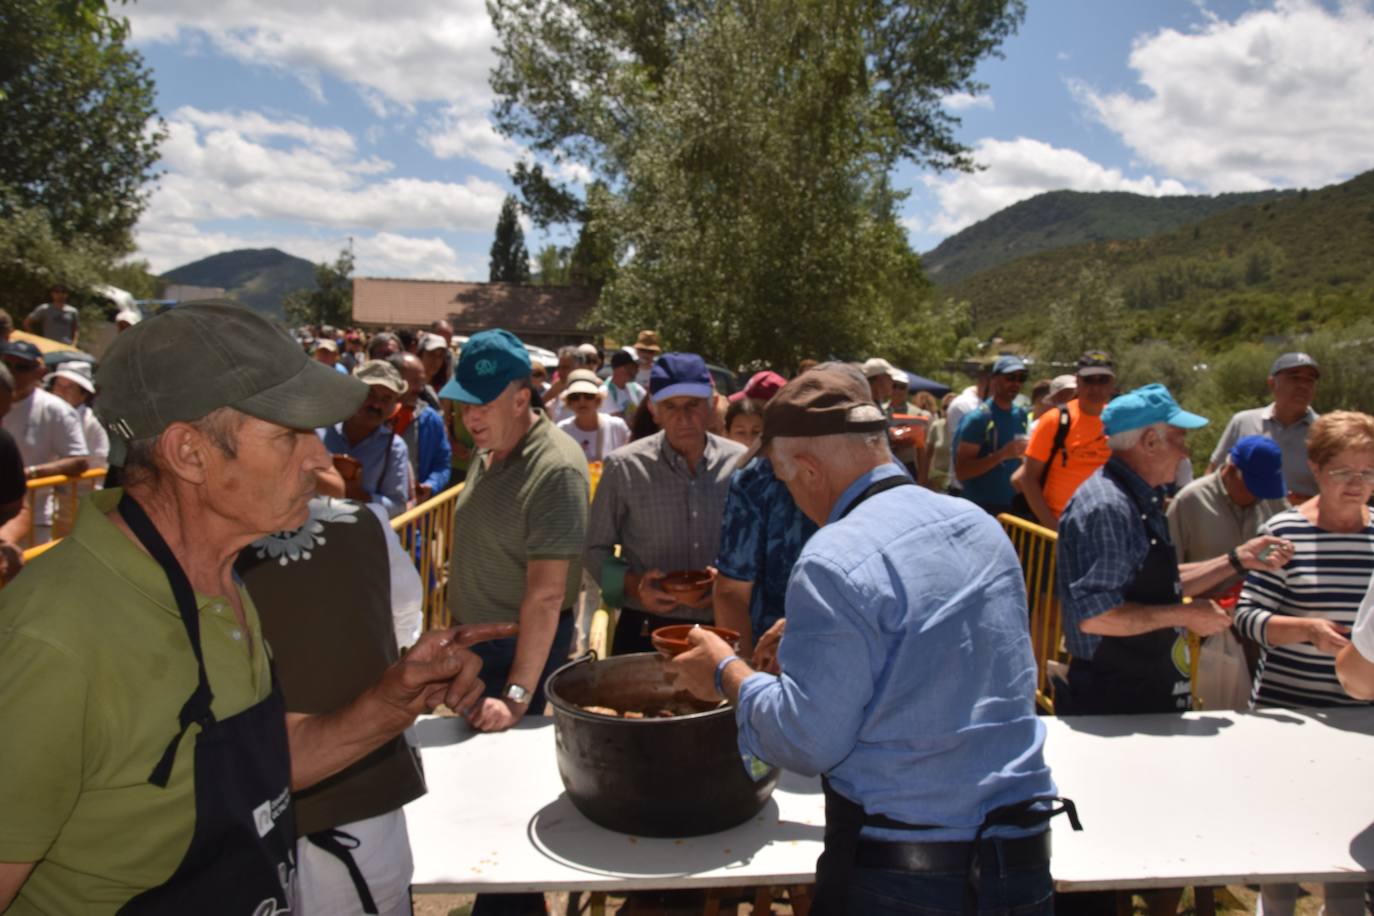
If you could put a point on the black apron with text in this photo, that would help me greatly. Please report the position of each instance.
(1136, 674)
(844, 818)
(240, 858)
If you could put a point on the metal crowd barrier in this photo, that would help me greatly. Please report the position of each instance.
(1035, 547)
(67, 491)
(426, 533)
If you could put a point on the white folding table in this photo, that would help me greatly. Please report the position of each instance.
(1197, 799)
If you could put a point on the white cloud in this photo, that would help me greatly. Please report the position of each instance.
(464, 131)
(244, 166)
(388, 254)
(398, 53)
(1281, 96)
(960, 101)
(1018, 169)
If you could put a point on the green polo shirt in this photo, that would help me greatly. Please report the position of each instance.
(94, 668)
(531, 506)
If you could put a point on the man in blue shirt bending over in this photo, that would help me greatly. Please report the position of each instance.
(907, 675)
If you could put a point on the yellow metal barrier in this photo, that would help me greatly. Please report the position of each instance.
(1035, 547)
(426, 532)
(67, 492)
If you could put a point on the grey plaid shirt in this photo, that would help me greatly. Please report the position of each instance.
(661, 515)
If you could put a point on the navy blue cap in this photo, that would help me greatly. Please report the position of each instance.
(490, 361)
(1260, 461)
(1146, 406)
(1006, 365)
(679, 375)
(21, 349)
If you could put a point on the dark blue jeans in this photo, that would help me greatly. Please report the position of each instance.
(499, 654)
(1014, 892)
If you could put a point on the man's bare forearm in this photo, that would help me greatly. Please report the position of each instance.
(67, 467)
(1356, 673)
(1204, 575)
(1132, 619)
(731, 607)
(539, 610)
(322, 745)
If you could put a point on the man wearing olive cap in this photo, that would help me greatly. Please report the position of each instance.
(149, 762)
(373, 461)
(907, 675)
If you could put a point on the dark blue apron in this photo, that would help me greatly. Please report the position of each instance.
(1136, 674)
(242, 849)
(845, 818)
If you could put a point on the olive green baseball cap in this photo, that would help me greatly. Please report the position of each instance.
(201, 356)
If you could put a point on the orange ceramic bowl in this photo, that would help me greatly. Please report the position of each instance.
(672, 640)
(687, 585)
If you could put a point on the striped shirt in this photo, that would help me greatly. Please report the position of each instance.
(1327, 577)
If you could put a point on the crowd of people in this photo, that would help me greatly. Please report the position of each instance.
(849, 520)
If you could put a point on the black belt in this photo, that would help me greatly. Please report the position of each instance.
(994, 855)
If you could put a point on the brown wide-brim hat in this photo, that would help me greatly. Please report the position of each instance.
(648, 340)
(826, 401)
(201, 356)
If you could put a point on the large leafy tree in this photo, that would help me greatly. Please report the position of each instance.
(78, 138)
(510, 261)
(331, 301)
(745, 146)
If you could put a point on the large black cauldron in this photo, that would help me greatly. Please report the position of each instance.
(660, 777)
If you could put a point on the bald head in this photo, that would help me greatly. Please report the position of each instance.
(413, 372)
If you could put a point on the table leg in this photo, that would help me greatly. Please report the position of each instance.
(597, 903)
(1204, 901)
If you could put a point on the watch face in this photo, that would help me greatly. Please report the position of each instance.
(517, 694)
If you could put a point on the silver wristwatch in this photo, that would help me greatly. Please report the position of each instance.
(516, 694)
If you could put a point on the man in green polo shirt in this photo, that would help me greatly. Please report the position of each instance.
(148, 759)
(521, 520)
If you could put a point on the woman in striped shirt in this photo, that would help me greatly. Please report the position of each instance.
(1301, 613)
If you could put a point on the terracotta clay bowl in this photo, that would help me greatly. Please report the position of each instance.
(672, 640)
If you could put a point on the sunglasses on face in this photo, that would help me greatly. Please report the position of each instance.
(581, 397)
(20, 365)
(1015, 378)
(1095, 380)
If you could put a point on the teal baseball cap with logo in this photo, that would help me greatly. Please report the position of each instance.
(1146, 406)
(490, 361)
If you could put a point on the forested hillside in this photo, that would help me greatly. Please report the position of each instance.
(1061, 219)
(1283, 267)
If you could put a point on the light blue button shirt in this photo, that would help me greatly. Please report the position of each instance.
(385, 460)
(907, 668)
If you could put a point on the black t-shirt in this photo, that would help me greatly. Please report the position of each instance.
(12, 482)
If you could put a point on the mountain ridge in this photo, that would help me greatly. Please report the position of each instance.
(258, 277)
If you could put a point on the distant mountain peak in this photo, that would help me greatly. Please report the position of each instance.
(258, 277)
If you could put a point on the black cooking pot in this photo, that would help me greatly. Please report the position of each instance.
(660, 777)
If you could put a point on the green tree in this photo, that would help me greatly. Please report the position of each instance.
(552, 264)
(1092, 316)
(596, 254)
(510, 262)
(78, 138)
(32, 258)
(331, 301)
(745, 147)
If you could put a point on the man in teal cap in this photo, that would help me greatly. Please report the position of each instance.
(1120, 584)
(521, 520)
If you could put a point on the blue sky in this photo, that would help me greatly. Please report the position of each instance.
(300, 127)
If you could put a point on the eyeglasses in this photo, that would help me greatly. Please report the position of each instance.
(1345, 475)
(581, 397)
(1019, 377)
(21, 365)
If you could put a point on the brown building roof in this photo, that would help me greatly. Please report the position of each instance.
(538, 311)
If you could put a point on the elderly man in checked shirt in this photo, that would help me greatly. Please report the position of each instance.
(661, 499)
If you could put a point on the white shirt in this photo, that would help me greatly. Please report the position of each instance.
(620, 401)
(611, 433)
(1362, 633)
(97, 440)
(965, 403)
(46, 429)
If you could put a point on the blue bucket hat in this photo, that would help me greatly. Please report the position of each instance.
(1260, 461)
(1146, 406)
(679, 375)
(490, 361)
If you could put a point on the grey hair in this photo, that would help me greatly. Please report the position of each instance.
(220, 426)
(572, 353)
(837, 451)
(1126, 440)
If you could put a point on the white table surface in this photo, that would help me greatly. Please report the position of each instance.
(1168, 800)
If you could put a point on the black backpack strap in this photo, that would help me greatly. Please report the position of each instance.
(1061, 439)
